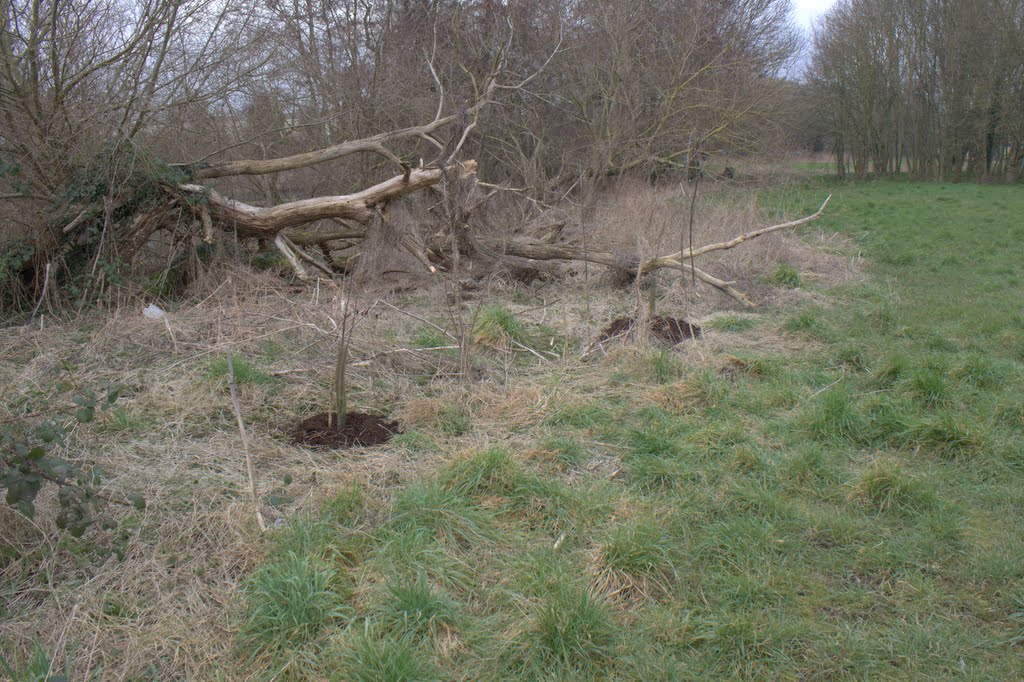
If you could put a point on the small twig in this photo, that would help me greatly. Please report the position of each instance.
(530, 350)
(245, 443)
(393, 351)
(825, 388)
(167, 324)
(417, 317)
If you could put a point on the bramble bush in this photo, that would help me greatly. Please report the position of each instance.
(29, 462)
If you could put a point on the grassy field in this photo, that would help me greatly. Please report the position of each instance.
(830, 488)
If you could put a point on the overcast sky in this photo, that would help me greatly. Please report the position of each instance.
(808, 10)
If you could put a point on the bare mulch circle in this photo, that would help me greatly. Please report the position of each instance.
(667, 329)
(360, 430)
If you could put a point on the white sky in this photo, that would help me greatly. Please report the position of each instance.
(809, 10)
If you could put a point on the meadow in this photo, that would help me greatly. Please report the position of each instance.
(829, 486)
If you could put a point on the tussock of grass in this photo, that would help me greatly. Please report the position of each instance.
(665, 367)
(733, 323)
(292, 602)
(889, 420)
(893, 368)
(452, 420)
(413, 608)
(657, 474)
(414, 552)
(414, 441)
(580, 416)
(810, 324)
(245, 371)
(885, 487)
(497, 327)
(544, 503)
(40, 667)
(654, 441)
(947, 434)
(754, 499)
(345, 506)
(634, 562)
(977, 370)
(784, 275)
(852, 357)
(748, 460)
(443, 513)
(491, 471)
(566, 451)
(428, 337)
(929, 385)
(570, 633)
(387, 659)
(834, 416)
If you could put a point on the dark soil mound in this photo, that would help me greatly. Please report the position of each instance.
(667, 329)
(360, 430)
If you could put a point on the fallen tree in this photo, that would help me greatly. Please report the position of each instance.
(635, 266)
(178, 198)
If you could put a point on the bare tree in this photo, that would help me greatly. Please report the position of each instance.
(927, 85)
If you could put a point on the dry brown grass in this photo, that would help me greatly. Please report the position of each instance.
(170, 609)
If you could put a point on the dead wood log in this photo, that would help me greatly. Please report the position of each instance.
(515, 251)
(265, 222)
(313, 238)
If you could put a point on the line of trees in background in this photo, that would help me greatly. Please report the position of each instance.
(934, 88)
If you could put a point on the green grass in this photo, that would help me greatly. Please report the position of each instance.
(852, 510)
(292, 601)
(733, 323)
(784, 275)
(571, 633)
(496, 326)
(389, 659)
(245, 371)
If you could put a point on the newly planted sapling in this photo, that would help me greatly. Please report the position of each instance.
(340, 415)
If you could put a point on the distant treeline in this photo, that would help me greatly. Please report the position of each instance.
(934, 88)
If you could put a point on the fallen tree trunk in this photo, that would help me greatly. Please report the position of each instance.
(265, 222)
(634, 265)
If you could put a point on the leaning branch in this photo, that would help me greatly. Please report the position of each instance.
(374, 144)
(633, 265)
(266, 222)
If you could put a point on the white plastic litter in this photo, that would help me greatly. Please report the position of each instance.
(154, 312)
